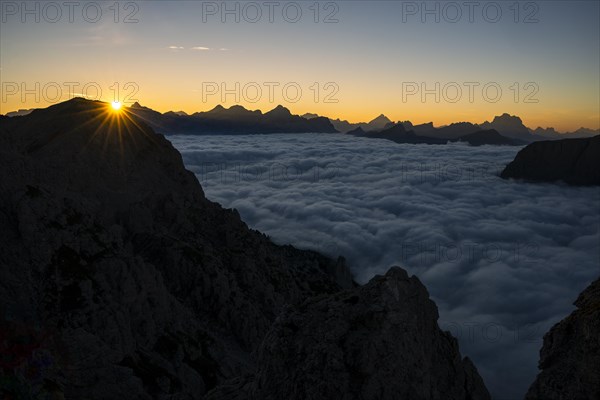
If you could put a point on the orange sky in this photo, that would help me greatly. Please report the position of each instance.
(366, 64)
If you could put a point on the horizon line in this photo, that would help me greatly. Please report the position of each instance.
(131, 104)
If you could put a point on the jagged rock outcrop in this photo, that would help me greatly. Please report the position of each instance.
(570, 357)
(574, 161)
(376, 342)
(119, 279)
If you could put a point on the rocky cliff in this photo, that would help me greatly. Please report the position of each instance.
(570, 357)
(376, 342)
(119, 279)
(574, 161)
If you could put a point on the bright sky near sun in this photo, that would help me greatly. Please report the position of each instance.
(432, 61)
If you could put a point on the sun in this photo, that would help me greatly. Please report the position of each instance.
(116, 105)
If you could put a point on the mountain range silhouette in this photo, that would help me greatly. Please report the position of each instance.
(507, 129)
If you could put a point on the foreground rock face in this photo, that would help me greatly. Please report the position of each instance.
(119, 279)
(574, 161)
(570, 357)
(379, 341)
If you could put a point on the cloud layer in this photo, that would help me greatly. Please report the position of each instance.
(504, 260)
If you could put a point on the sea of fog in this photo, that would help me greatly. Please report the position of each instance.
(503, 260)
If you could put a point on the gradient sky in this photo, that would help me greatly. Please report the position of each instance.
(369, 54)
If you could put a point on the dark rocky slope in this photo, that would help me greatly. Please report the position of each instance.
(119, 279)
(574, 161)
(377, 342)
(570, 357)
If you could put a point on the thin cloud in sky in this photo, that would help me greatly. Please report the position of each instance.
(176, 47)
(201, 48)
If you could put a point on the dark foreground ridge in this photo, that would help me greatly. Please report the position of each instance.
(574, 161)
(570, 357)
(379, 341)
(120, 280)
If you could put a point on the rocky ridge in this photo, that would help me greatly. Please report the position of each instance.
(570, 357)
(377, 342)
(574, 161)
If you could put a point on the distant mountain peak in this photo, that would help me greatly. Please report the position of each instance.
(588, 130)
(177, 113)
(237, 111)
(310, 116)
(507, 118)
(218, 108)
(379, 123)
(280, 111)
(510, 126)
(381, 119)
